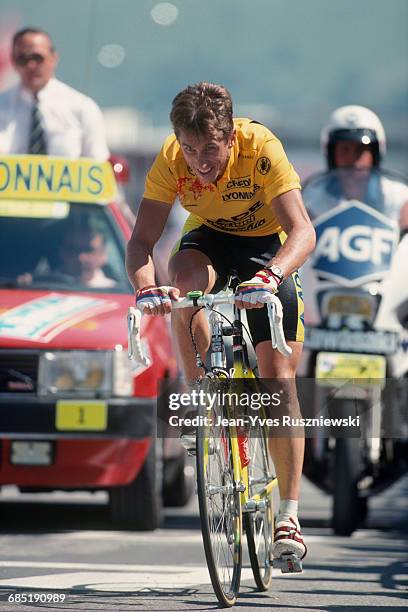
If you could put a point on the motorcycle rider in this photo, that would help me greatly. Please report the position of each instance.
(355, 137)
(345, 200)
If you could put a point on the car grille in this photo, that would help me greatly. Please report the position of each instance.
(18, 371)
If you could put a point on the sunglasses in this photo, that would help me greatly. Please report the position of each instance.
(23, 60)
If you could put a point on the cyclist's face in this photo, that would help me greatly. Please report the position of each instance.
(206, 155)
(349, 154)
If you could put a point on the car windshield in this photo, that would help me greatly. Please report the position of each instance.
(61, 245)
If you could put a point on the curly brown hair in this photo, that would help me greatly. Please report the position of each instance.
(203, 108)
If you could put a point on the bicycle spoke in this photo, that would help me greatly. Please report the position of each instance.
(220, 509)
(259, 523)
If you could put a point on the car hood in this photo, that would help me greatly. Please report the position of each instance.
(60, 319)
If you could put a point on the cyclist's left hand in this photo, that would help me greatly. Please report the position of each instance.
(255, 292)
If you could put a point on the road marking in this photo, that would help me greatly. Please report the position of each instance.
(109, 577)
(160, 536)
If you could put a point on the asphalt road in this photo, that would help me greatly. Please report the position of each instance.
(63, 545)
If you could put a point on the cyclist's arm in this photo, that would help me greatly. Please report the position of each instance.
(150, 222)
(301, 237)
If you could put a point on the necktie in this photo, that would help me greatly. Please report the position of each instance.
(37, 143)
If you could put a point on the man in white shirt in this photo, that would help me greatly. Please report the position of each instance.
(68, 123)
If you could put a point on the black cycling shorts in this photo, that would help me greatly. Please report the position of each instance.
(245, 255)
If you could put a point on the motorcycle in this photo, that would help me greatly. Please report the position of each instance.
(356, 349)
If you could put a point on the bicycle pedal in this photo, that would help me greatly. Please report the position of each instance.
(289, 564)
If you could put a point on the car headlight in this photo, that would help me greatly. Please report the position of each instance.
(86, 373)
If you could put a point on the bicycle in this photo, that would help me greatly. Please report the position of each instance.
(234, 471)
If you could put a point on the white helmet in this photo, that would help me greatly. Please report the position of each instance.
(353, 123)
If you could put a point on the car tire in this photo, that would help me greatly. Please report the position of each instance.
(138, 505)
(178, 485)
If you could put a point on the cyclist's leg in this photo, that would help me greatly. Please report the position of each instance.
(191, 270)
(197, 262)
(287, 452)
(279, 372)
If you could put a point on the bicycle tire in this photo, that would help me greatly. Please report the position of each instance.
(259, 525)
(219, 503)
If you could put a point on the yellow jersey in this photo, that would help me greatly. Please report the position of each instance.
(241, 202)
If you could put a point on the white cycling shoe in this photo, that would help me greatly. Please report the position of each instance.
(288, 548)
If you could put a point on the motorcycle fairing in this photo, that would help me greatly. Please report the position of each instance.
(355, 244)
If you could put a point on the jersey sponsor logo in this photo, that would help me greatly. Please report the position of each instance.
(263, 165)
(240, 195)
(244, 222)
(246, 225)
(244, 181)
(355, 244)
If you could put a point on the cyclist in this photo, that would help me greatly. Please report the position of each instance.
(354, 137)
(246, 213)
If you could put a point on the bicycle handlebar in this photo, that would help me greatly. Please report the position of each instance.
(275, 315)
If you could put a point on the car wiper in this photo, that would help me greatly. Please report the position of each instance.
(8, 283)
(49, 286)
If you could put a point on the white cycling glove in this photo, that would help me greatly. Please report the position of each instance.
(258, 289)
(152, 297)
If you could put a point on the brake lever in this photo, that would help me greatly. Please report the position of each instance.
(135, 349)
(275, 315)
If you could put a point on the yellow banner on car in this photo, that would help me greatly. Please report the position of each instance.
(40, 177)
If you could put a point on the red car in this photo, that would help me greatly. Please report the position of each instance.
(75, 413)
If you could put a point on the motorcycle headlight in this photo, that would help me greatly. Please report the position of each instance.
(87, 373)
(362, 305)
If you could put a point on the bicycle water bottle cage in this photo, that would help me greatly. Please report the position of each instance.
(194, 295)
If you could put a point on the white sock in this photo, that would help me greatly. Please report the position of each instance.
(288, 508)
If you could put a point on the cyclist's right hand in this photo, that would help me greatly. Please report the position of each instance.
(154, 300)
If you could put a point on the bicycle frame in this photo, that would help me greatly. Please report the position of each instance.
(240, 369)
(257, 505)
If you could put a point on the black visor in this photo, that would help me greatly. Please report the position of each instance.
(364, 135)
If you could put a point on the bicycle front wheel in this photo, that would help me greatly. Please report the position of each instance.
(258, 520)
(219, 502)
